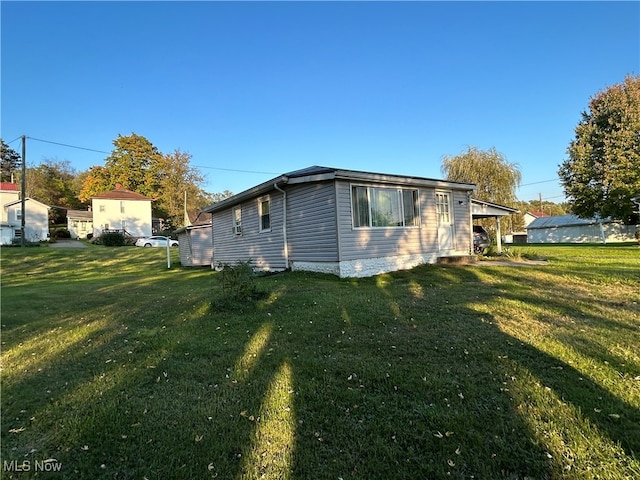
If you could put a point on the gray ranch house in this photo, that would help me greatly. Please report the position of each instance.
(344, 222)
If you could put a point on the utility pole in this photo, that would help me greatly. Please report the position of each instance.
(23, 186)
(540, 197)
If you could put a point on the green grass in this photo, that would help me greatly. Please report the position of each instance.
(117, 367)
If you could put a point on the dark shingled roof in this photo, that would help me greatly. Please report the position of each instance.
(120, 193)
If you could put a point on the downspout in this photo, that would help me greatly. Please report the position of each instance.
(469, 192)
(284, 221)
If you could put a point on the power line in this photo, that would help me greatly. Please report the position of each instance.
(67, 145)
(234, 170)
(536, 183)
(18, 138)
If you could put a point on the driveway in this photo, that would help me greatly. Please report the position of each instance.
(67, 243)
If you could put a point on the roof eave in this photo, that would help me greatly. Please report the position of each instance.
(246, 195)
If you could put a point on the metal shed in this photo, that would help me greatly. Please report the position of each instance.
(196, 245)
(573, 229)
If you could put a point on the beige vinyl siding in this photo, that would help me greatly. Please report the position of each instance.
(460, 207)
(311, 223)
(360, 243)
(265, 249)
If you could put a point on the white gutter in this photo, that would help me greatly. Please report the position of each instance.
(471, 249)
(284, 221)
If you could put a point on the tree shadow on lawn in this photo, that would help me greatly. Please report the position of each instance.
(398, 427)
(398, 376)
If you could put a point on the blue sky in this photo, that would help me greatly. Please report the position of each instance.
(273, 87)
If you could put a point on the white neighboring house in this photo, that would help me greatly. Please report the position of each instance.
(8, 193)
(36, 222)
(121, 210)
(79, 223)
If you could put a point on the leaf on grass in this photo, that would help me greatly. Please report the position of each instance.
(199, 438)
(614, 415)
(17, 430)
(450, 463)
(438, 435)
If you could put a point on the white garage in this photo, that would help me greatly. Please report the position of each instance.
(573, 229)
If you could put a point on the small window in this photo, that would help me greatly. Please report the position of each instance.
(121, 206)
(18, 213)
(264, 211)
(101, 208)
(237, 220)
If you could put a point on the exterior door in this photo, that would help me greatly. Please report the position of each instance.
(445, 221)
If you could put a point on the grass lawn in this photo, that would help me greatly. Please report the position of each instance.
(115, 367)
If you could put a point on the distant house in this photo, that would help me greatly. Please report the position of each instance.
(121, 210)
(573, 229)
(349, 223)
(529, 217)
(196, 242)
(36, 221)
(80, 223)
(8, 193)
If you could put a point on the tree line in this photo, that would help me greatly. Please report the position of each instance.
(134, 163)
(600, 177)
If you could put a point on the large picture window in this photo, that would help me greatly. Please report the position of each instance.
(384, 207)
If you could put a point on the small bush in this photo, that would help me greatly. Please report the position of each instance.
(112, 239)
(238, 285)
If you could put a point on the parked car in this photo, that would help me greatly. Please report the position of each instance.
(155, 241)
(480, 239)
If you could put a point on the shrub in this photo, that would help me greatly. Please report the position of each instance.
(238, 285)
(112, 239)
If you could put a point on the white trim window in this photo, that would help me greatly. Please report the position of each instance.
(382, 207)
(237, 220)
(18, 214)
(264, 213)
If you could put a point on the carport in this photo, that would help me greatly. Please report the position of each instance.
(482, 209)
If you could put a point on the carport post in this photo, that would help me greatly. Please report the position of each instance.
(498, 236)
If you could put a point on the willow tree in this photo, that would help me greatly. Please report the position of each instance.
(602, 174)
(496, 178)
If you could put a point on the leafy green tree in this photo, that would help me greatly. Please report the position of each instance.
(93, 181)
(602, 172)
(178, 179)
(10, 162)
(137, 165)
(495, 177)
(53, 183)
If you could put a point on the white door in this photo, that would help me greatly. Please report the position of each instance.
(445, 221)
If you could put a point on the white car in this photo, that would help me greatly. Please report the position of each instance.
(155, 241)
